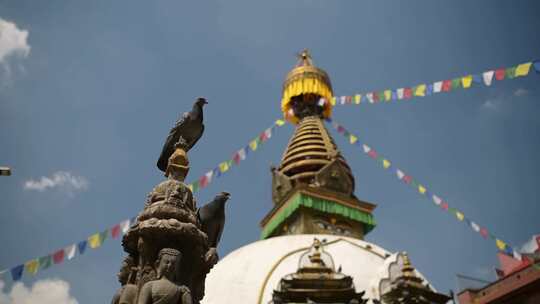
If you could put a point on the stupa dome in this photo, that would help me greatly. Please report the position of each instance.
(251, 273)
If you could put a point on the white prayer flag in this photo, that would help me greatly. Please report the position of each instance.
(342, 100)
(437, 200)
(437, 87)
(366, 148)
(400, 174)
(400, 93)
(370, 97)
(124, 226)
(69, 251)
(475, 226)
(268, 133)
(241, 153)
(488, 77)
(516, 255)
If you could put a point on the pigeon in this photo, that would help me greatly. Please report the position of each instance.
(212, 218)
(185, 133)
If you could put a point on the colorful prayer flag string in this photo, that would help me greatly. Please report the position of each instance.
(486, 78)
(422, 190)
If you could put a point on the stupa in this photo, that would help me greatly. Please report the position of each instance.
(316, 219)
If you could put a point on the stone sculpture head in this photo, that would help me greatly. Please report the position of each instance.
(168, 263)
(127, 264)
(178, 166)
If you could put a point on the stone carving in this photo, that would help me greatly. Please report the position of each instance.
(166, 290)
(128, 292)
(169, 229)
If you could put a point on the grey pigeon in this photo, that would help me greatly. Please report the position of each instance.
(212, 218)
(186, 132)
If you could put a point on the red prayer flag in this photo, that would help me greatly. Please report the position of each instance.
(340, 129)
(262, 137)
(446, 85)
(58, 257)
(115, 231)
(407, 93)
(372, 154)
(348, 99)
(484, 232)
(236, 158)
(203, 181)
(499, 74)
(444, 205)
(375, 96)
(407, 179)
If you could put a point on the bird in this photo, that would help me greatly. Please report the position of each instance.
(187, 130)
(212, 218)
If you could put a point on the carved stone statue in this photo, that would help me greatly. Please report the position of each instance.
(166, 290)
(128, 292)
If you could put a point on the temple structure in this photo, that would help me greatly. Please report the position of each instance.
(312, 247)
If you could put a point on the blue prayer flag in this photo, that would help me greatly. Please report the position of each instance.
(82, 246)
(477, 78)
(16, 272)
(429, 89)
(536, 65)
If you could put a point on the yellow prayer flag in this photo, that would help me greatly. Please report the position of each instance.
(32, 266)
(523, 69)
(460, 216)
(386, 163)
(333, 101)
(224, 166)
(421, 189)
(357, 98)
(94, 241)
(500, 244)
(353, 139)
(420, 90)
(388, 95)
(280, 122)
(253, 145)
(466, 81)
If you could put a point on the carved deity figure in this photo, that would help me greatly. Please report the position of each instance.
(165, 290)
(128, 292)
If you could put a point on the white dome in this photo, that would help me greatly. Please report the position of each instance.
(251, 273)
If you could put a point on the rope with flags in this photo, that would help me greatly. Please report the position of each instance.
(443, 86)
(97, 239)
(423, 191)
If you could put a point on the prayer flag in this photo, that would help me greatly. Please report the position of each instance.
(466, 81)
(477, 78)
(195, 186)
(475, 226)
(444, 206)
(407, 179)
(16, 272)
(456, 82)
(536, 65)
(460, 216)
(340, 129)
(370, 97)
(94, 241)
(387, 95)
(523, 69)
(517, 255)
(437, 87)
(82, 246)
(510, 72)
(224, 167)
(253, 144)
(103, 235)
(421, 189)
(210, 173)
(268, 133)
(357, 98)
(483, 232)
(280, 122)
(437, 200)
(333, 101)
(348, 100)
(407, 93)
(372, 154)
(342, 100)
(45, 262)
(400, 93)
(488, 77)
(58, 256)
(429, 89)
(420, 90)
(499, 74)
(366, 148)
(124, 225)
(32, 266)
(447, 85)
(236, 159)
(376, 97)
(386, 163)
(400, 174)
(70, 251)
(352, 139)
(394, 95)
(500, 244)
(115, 231)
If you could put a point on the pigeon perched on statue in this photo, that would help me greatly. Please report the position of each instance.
(185, 133)
(212, 218)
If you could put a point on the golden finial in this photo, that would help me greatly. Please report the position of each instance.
(408, 269)
(304, 58)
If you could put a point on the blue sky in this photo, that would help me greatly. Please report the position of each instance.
(96, 86)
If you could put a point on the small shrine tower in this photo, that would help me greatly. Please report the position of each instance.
(313, 187)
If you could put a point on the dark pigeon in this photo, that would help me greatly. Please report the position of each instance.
(186, 132)
(212, 218)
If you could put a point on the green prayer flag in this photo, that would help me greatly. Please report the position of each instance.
(45, 262)
(103, 235)
(510, 72)
(456, 83)
(195, 186)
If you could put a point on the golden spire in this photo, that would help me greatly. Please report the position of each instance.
(303, 89)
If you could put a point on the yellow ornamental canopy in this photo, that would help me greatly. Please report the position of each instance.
(307, 91)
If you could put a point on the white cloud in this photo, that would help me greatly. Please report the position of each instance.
(61, 179)
(521, 92)
(491, 104)
(13, 41)
(47, 291)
